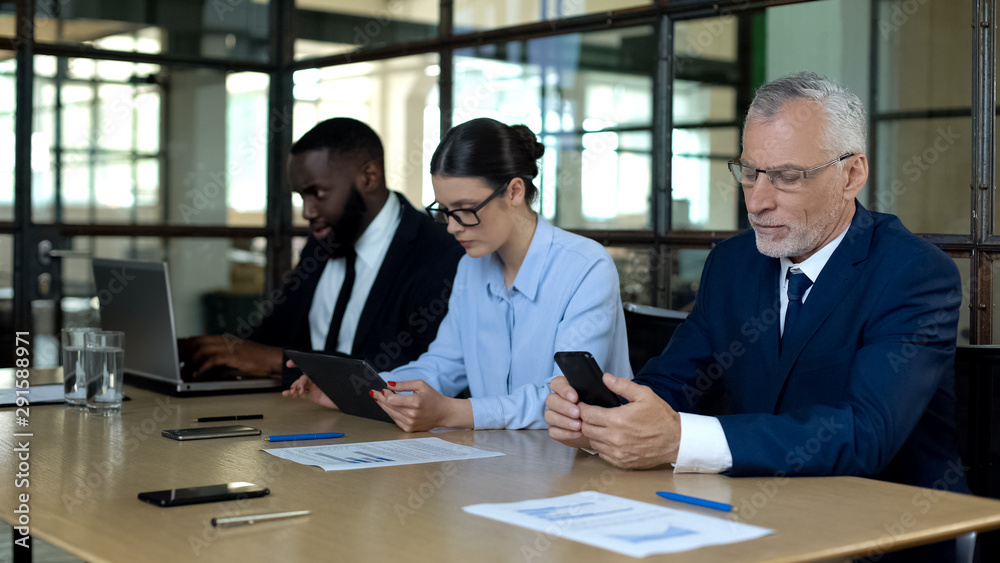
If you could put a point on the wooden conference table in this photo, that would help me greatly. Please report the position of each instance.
(85, 473)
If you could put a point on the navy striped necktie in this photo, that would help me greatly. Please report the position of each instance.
(798, 283)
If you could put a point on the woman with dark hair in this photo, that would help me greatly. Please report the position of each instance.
(524, 290)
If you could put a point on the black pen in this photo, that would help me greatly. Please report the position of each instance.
(232, 417)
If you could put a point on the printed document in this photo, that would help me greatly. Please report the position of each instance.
(619, 524)
(338, 457)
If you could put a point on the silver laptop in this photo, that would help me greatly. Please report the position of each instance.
(135, 298)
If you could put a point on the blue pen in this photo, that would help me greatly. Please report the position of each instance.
(293, 437)
(696, 501)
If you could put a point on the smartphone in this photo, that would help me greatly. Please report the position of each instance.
(583, 373)
(205, 432)
(209, 493)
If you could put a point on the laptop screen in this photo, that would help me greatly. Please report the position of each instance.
(135, 299)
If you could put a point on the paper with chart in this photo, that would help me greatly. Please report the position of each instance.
(338, 457)
(619, 524)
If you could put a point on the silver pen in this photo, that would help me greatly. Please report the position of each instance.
(255, 518)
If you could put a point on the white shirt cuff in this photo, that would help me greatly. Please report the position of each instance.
(703, 447)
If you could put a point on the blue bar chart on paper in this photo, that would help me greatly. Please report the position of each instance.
(339, 457)
(571, 511)
(361, 457)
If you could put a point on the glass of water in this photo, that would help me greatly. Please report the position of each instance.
(104, 356)
(74, 368)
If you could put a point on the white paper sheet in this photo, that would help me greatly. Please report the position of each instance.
(338, 457)
(619, 524)
(37, 394)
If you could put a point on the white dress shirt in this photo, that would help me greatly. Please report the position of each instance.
(703, 447)
(371, 248)
(499, 341)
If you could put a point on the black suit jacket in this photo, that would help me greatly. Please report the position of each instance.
(404, 308)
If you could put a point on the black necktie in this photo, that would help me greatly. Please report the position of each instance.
(798, 283)
(342, 299)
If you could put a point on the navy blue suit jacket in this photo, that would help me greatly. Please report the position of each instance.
(865, 383)
(404, 308)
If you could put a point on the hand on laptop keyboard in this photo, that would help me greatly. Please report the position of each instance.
(204, 353)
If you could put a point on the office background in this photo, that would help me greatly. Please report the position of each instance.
(159, 129)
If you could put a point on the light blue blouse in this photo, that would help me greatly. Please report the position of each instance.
(500, 343)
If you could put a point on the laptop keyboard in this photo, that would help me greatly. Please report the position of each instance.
(217, 373)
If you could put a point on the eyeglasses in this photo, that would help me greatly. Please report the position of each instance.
(785, 179)
(465, 217)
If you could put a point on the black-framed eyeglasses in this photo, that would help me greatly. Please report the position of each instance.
(465, 217)
(787, 179)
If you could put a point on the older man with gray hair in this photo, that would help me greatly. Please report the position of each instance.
(829, 328)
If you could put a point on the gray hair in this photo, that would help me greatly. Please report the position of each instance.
(846, 124)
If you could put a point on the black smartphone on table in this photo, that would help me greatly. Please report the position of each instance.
(204, 432)
(584, 375)
(208, 493)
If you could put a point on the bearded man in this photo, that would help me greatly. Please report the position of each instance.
(372, 282)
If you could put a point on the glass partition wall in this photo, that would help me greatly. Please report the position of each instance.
(131, 132)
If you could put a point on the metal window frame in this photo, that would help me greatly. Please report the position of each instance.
(662, 14)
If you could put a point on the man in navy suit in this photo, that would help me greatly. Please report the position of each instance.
(372, 282)
(829, 328)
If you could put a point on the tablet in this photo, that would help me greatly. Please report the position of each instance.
(346, 381)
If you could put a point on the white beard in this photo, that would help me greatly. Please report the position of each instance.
(801, 238)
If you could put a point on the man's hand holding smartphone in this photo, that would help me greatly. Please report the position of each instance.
(642, 434)
(584, 375)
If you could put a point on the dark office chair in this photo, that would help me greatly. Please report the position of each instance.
(649, 329)
(977, 389)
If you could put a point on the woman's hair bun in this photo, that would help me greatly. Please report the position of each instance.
(530, 140)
